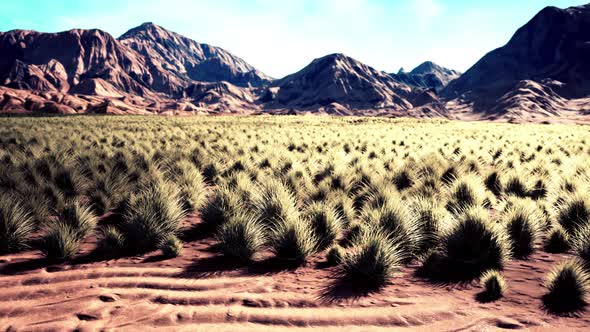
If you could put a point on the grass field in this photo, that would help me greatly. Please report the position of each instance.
(371, 195)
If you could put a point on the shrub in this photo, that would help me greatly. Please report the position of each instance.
(224, 203)
(325, 223)
(61, 242)
(404, 178)
(152, 215)
(431, 220)
(522, 223)
(16, 225)
(372, 262)
(112, 241)
(335, 255)
(474, 244)
(241, 237)
(191, 184)
(293, 240)
(171, 246)
(581, 245)
(494, 183)
(557, 240)
(516, 186)
(573, 212)
(396, 222)
(79, 217)
(568, 286)
(343, 206)
(494, 286)
(275, 203)
(355, 230)
(465, 192)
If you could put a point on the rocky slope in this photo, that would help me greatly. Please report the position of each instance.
(552, 47)
(427, 75)
(147, 61)
(175, 60)
(337, 79)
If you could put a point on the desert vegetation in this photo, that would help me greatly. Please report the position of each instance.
(369, 196)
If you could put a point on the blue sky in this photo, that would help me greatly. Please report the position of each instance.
(280, 36)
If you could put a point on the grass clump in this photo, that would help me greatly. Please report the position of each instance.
(241, 237)
(557, 240)
(16, 225)
(171, 246)
(74, 222)
(523, 225)
(111, 242)
(573, 212)
(153, 215)
(494, 286)
(372, 262)
(472, 245)
(466, 192)
(325, 223)
(335, 255)
(396, 221)
(568, 286)
(275, 203)
(61, 242)
(293, 240)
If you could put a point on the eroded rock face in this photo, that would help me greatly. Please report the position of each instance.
(175, 60)
(61, 61)
(146, 61)
(554, 45)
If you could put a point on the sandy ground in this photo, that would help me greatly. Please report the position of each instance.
(200, 291)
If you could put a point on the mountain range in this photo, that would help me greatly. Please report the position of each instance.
(542, 74)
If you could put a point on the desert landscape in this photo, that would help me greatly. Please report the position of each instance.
(152, 182)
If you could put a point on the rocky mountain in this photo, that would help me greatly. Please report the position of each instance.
(339, 79)
(70, 60)
(175, 60)
(544, 63)
(147, 61)
(427, 75)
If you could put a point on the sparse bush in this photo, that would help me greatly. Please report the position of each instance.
(395, 221)
(557, 240)
(224, 203)
(153, 215)
(171, 246)
(191, 184)
(61, 242)
(574, 212)
(79, 217)
(335, 255)
(432, 220)
(522, 223)
(241, 237)
(111, 242)
(517, 186)
(494, 286)
(372, 262)
(325, 224)
(275, 203)
(465, 192)
(16, 225)
(568, 286)
(581, 245)
(474, 244)
(293, 240)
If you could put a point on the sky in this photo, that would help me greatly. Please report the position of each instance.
(280, 37)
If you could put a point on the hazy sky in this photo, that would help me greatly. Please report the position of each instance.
(281, 36)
